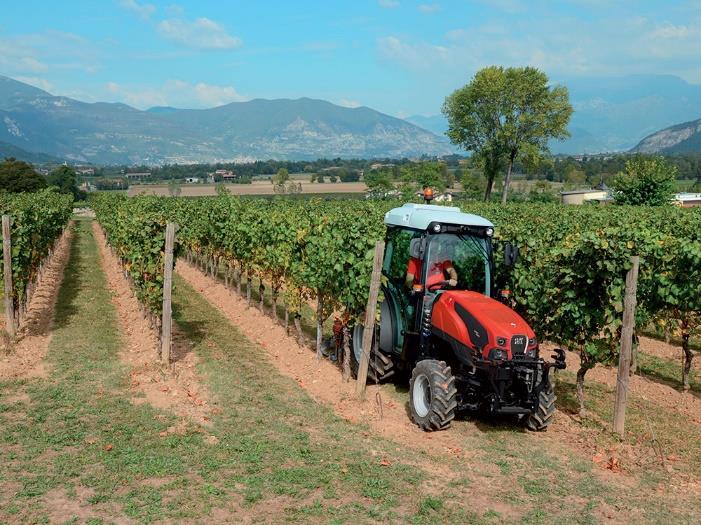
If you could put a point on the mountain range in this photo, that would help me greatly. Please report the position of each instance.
(638, 113)
(614, 113)
(115, 133)
(680, 138)
(9, 150)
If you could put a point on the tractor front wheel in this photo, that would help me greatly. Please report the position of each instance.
(544, 413)
(432, 395)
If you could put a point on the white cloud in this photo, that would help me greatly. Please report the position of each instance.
(216, 95)
(143, 11)
(668, 30)
(560, 45)
(201, 33)
(388, 4)
(174, 92)
(32, 64)
(50, 50)
(507, 6)
(429, 8)
(41, 83)
(175, 10)
(418, 56)
(348, 103)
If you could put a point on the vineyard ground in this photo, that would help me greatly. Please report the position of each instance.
(571, 444)
(74, 447)
(25, 356)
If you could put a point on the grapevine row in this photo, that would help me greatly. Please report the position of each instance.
(569, 282)
(37, 221)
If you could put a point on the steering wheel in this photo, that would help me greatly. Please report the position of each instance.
(439, 284)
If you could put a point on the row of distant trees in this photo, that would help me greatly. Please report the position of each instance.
(507, 116)
(17, 176)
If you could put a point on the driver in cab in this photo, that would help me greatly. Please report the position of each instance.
(440, 269)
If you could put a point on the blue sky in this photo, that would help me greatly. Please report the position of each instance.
(398, 56)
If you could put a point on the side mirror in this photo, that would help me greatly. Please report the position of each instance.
(510, 254)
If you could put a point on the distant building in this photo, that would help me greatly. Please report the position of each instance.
(192, 180)
(379, 166)
(138, 176)
(582, 196)
(84, 170)
(224, 175)
(687, 200)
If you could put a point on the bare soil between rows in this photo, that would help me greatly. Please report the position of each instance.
(24, 357)
(320, 378)
(323, 382)
(178, 388)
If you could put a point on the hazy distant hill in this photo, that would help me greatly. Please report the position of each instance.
(614, 113)
(435, 123)
(681, 138)
(8, 150)
(34, 120)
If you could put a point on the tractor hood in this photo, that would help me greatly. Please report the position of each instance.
(481, 322)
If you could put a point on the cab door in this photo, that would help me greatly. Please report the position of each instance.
(397, 309)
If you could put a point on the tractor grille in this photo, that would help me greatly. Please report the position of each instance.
(518, 344)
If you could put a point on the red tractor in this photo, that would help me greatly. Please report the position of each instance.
(444, 324)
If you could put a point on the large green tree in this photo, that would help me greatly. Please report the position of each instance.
(65, 179)
(504, 113)
(17, 176)
(645, 181)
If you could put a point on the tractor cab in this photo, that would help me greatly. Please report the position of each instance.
(443, 323)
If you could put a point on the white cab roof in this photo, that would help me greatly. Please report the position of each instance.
(419, 216)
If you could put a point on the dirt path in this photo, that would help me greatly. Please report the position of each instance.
(180, 389)
(685, 403)
(26, 355)
(321, 379)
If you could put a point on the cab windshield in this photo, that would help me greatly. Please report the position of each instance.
(467, 254)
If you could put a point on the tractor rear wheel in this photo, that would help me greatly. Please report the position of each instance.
(544, 413)
(381, 366)
(432, 395)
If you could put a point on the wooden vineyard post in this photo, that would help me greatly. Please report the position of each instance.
(7, 275)
(369, 327)
(319, 325)
(167, 319)
(346, 353)
(629, 304)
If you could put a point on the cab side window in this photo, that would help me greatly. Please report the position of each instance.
(397, 253)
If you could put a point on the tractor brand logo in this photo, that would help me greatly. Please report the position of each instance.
(519, 340)
(513, 324)
(477, 334)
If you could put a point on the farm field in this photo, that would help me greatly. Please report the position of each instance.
(248, 426)
(81, 444)
(255, 188)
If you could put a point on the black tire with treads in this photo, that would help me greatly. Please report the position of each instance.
(435, 410)
(381, 366)
(544, 414)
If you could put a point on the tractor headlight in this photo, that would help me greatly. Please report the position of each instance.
(437, 228)
(532, 341)
(497, 354)
(501, 341)
(489, 232)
